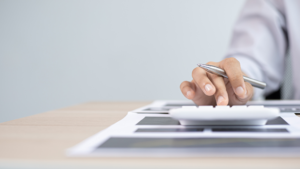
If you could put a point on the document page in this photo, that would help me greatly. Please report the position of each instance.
(156, 134)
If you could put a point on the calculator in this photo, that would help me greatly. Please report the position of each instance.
(224, 115)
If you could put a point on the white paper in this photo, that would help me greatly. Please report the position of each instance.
(126, 128)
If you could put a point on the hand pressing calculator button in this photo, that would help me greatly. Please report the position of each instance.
(224, 115)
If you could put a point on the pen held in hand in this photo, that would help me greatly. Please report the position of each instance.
(218, 71)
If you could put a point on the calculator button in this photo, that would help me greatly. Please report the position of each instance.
(222, 107)
(239, 107)
(255, 107)
(201, 107)
(189, 107)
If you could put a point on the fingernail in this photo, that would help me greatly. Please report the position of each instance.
(208, 87)
(188, 93)
(220, 99)
(245, 95)
(239, 90)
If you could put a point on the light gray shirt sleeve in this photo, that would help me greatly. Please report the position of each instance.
(259, 43)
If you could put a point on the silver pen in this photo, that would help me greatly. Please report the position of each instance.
(218, 71)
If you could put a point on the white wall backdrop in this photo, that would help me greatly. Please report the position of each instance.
(57, 53)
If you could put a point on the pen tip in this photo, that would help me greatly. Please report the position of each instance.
(200, 65)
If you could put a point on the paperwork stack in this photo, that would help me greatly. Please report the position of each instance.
(150, 131)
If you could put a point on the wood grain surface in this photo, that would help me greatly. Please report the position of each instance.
(40, 141)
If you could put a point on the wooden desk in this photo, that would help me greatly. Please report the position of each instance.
(40, 141)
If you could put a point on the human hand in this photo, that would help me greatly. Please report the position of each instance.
(210, 89)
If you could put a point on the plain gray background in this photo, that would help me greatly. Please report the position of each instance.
(55, 54)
